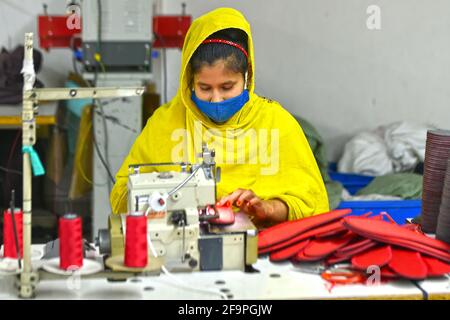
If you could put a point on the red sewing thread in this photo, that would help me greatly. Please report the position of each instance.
(9, 242)
(70, 242)
(136, 251)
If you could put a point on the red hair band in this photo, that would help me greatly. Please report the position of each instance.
(230, 43)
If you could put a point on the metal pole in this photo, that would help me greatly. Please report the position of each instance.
(27, 278)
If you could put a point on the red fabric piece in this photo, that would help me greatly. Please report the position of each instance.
(324, 247)
(354, 245)
(358, 250)
(385, 229)
(389, 233)
(379, 256)
(288, 252)
(330, 229)
(387, 272)
(325, 230)
(408, 264)
(285, 244)
(333, 233)
(303, 236)
(300, 257)
(287, 230)
(436, 267)
(340, 256)
(334, 259)
(424, 249)
(415, 247)
(334, 229)
(226, 214)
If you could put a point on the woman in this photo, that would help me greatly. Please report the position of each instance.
(268, 169)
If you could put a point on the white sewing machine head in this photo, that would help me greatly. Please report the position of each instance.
(193, 188)
(177, 203)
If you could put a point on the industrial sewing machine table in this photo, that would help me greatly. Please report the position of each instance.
(272, 281)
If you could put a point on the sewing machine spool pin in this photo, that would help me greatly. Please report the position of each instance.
(182, 224)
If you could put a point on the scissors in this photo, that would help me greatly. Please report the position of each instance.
(335, 274)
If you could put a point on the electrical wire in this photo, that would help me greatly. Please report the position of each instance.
(97, 149)
(74, 60)
(105, 126)
(10, 170)
(102, 66)
(117, 122)
(99, 27)
(83, 143)
(74, 64)
(8, 164)
(104, 159)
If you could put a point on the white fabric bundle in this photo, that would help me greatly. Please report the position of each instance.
(396, 147)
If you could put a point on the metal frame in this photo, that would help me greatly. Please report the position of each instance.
(31, 98)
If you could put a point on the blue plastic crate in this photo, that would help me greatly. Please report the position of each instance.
(351, 182)
(399, 210)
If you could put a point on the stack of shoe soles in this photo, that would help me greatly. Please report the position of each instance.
(437, 154)
(443, 224)
(400, 251)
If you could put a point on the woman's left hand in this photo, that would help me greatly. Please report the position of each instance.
(250, 203)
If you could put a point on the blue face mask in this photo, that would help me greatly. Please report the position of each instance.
(221, 111)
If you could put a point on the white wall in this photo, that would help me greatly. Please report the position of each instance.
(316, 57)
(319, 60)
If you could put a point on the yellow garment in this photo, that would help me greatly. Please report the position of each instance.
(82, 170)
(276, 163)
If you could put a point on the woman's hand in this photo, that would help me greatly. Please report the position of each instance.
(273, 210)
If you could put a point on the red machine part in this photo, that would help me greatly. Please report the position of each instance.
(54, 32)
(170, 30)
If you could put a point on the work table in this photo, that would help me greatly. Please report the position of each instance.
(273, 281)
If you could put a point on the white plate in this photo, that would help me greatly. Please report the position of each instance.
(9, 266)
(89, 267)
(36, 254)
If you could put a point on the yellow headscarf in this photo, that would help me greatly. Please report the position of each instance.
(261, 147)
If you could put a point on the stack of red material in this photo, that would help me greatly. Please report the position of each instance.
(365, 241)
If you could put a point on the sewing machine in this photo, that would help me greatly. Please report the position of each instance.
(180, 209)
